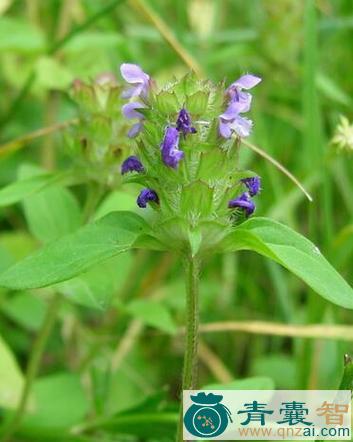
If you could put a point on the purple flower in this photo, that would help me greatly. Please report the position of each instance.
(133, 74)
(183, 123)
(129, 111)
(231, 121)
(171, 155)
(253, 184)
(243, 202)
(146, 196)
(247, 81)
(132, 164)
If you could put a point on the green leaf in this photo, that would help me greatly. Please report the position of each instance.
(274, 365)
(117, 200)
(51, 396)
(296, 253)
(26, 310)
(50, 74)
(19, 35)
(22, 188)
(75, 253)
(154, 415)
(15, 245)
(160, 425)
(11, 377)
(332, 90)
(87, 40)
(95, 288)
(52, 213)
(152, 313)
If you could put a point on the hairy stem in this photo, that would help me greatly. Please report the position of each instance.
(192, 325)
(33, 366)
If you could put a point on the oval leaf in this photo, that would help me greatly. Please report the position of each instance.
(294, 252)
(52, 213)
(74, 253)
(54, 416)
(94, 288)
(152, 313)
(17, 191)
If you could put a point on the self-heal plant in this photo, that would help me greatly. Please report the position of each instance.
(195, 200)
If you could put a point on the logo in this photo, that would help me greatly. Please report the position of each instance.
(207, 416)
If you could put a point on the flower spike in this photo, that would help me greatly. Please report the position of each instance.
(189, 176)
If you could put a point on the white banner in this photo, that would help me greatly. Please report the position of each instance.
(267, 414)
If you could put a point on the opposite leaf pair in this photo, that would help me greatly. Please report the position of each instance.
(121, 231)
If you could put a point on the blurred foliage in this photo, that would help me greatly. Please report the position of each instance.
(113, 361)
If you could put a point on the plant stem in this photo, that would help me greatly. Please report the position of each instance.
(33, 365)
(192, 325)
